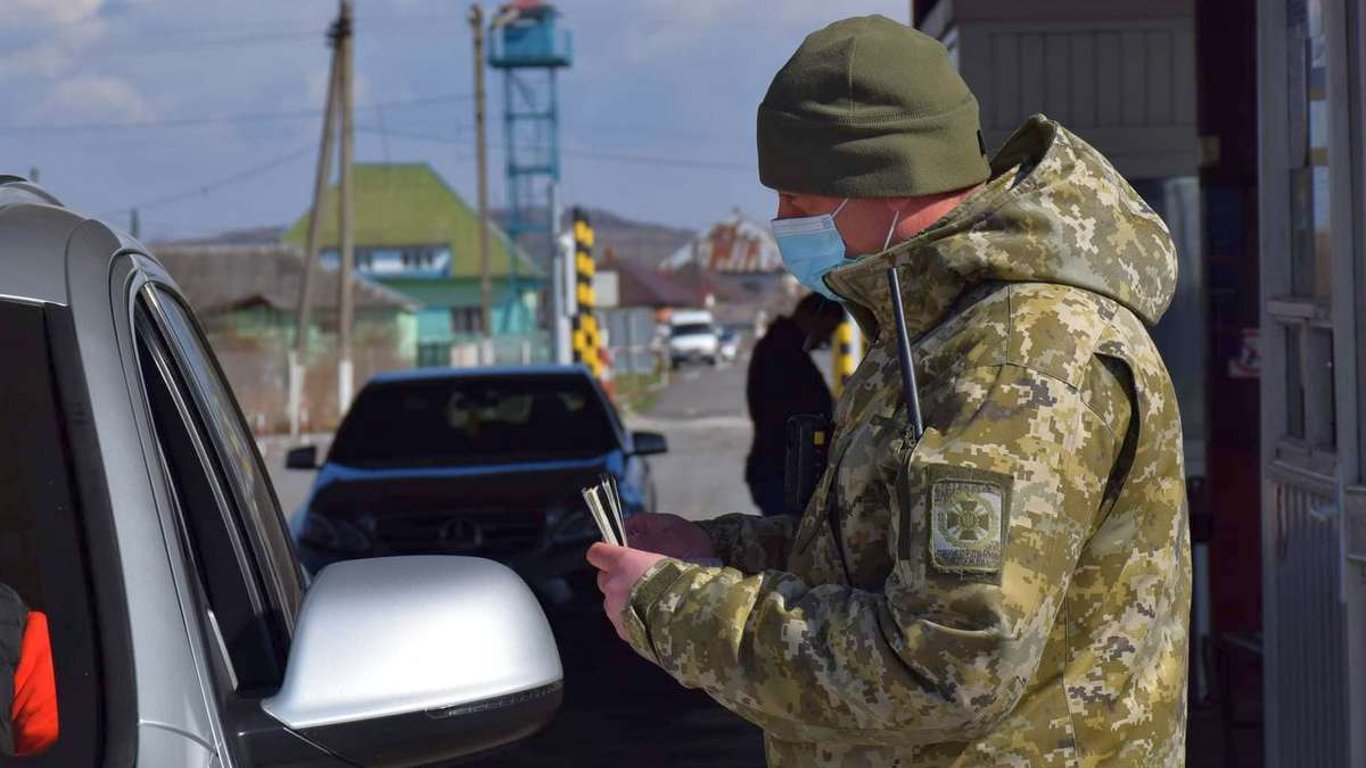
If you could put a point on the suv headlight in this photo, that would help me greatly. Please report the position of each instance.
(570, 526)
(333, 535)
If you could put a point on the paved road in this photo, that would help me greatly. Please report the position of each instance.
(704, 415)
(702, 412)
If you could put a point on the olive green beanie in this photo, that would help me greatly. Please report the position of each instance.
(869, 107)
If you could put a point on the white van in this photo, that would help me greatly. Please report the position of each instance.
(693, 337)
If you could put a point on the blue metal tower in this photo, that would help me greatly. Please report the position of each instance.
(529, 47)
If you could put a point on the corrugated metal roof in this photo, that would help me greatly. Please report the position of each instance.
(221, 278)
(736, 244)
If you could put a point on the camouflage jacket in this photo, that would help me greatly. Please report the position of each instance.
(1013, 588)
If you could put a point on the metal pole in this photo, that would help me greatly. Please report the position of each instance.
(299, 355)
(559, 304)
(346, 310)
(476, 19)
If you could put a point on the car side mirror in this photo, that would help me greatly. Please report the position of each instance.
(302, 458)
(649, 443)
(411, 661)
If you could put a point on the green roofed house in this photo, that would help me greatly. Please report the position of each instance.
(415, 235)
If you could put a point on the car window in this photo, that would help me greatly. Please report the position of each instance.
(474, 420)
(220, 553)
(694, 330)
(49, 681)
(235, 447)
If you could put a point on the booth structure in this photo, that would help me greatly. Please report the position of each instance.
(1242, 124)
(1311, 88)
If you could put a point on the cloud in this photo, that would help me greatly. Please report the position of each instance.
(95, 98)
(54, 54)
(25, 12)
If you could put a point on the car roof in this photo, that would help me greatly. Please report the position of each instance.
(514, 371)
(39, 237)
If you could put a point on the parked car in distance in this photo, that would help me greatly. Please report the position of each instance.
(138, 515)
(486, 461)
(693, 337)
(728, 348)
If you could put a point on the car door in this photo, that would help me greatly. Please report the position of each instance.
(246, 580)
(46, 547)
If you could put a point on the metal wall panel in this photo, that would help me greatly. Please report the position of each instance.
(1127, 87)
(1310, 653)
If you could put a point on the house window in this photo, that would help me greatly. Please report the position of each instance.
(1311, 266)
(466, 320)
(419, 258)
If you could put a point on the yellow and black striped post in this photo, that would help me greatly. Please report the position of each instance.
(847, 352)
(586, 337)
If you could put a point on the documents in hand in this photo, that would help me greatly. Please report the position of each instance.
(604, 502)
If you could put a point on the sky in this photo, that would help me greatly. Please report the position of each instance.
(206, 114)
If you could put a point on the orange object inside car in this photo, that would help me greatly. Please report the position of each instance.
(34, 711)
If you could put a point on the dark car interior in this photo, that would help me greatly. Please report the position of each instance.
(472, 421)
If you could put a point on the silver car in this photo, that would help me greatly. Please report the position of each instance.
(137, 516)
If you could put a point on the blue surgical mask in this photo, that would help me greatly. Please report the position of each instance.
(812, 248)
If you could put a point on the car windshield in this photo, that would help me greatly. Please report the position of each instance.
(694, 329)
(483, 420)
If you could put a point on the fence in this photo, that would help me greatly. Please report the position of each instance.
(258, 371)
(631, 340)
(464, 351)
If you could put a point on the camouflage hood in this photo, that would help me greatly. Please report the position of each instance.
(1054, 211)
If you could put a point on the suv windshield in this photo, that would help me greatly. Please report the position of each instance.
(476, 420)
(694, 329)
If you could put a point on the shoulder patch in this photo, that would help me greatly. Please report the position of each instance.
(969, 511)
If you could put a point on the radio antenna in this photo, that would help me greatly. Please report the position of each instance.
(903, 348)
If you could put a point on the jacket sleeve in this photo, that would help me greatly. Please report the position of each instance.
(13, 618)
(750, 543)
(945, 648)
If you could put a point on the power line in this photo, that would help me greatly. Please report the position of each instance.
(217, 184)
(183, 122)
(180, 43)
(590, 154)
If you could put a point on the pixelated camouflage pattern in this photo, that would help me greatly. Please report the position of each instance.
(751, 544)
(1038, 376)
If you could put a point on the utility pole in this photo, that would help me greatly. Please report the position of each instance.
(476, 19)
(298, 357)
(346, 309)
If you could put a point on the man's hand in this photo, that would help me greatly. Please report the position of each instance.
(669, 535)
(619, 568)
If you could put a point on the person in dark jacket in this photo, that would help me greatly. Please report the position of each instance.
(28, 696)
(784, 382)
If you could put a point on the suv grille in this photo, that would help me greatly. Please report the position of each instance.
(504, 532)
